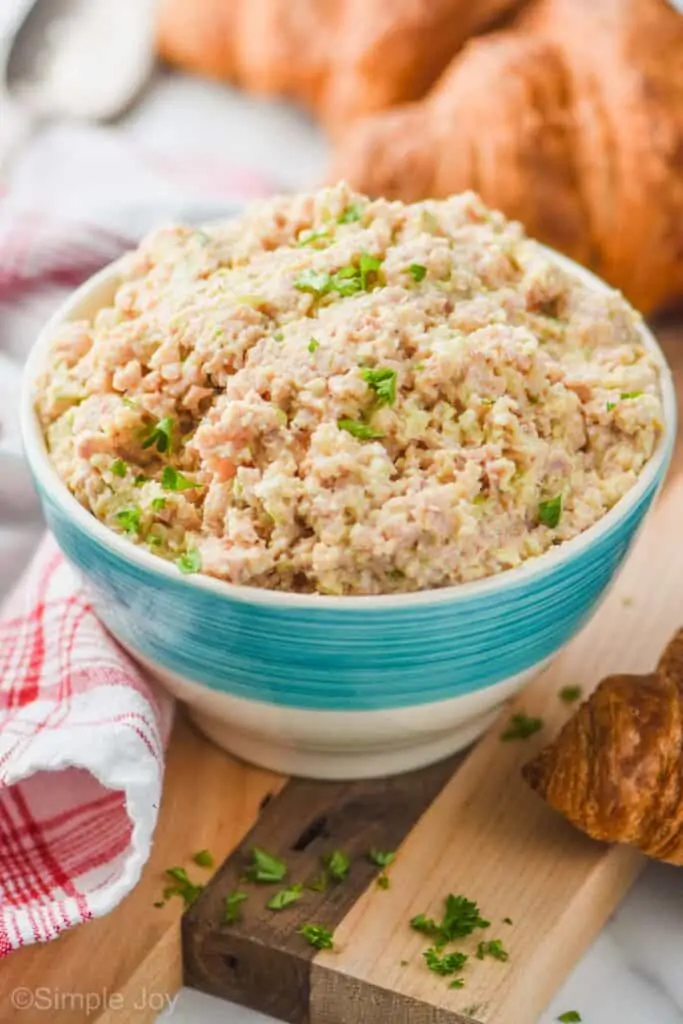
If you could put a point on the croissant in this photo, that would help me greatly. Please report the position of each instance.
(571, 121)
(616, 768)
(340, 58)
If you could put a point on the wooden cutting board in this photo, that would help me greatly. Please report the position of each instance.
(467, 826)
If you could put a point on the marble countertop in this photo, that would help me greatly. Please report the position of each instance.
(632, 973)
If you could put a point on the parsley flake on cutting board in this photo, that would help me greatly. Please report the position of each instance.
(521, 726)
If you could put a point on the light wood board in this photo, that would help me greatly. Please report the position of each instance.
(488, 836)
(485, 836)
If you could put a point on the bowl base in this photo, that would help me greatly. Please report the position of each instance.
(370, 762)
(339, 745)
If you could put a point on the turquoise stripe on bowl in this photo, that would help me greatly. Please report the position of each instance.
(359, 658)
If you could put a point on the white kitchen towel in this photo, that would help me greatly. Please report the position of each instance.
(82, 736)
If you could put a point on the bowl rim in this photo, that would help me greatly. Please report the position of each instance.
(48, 479)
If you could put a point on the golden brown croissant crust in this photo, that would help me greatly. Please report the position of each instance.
(616, 768)
(340, 58)
(571, 121)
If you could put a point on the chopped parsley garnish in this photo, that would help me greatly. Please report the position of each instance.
(190, 562)
(521, 726)
(182, 886)
(360, 430)
(119, 467)
(382, 860)
(160, 436)
(279, 336)
(158, 504)
(570, 1017)
(265, 867)
(549, 512)
(418, 272)
(383, 382)
(159, 903)
(313, 345)
(369, 266)
(351, 213)
(232, 912)
(310, 237)
(493, 948)
(129, 519)
(315, 281)
(140, 479)
(285, 897)
(383, 881)
(172, 480)
(347, 280)
(570, 694)
(319, 883)
(129, 403)
(426, 925)
(317, 935)
(203, 859)
(178, 875)
(623, 396)
(507, 920)
(461, 917)
(337, 865)
(457, 983)
(447, 964)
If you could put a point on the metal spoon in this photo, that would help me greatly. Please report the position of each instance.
(72, 59)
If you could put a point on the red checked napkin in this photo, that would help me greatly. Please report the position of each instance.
(81, 759)
(82, 732)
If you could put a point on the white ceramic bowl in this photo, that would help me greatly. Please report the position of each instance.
(338, 687)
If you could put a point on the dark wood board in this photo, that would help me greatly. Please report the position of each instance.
(262, 960)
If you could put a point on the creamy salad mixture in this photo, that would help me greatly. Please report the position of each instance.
(344, 396)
